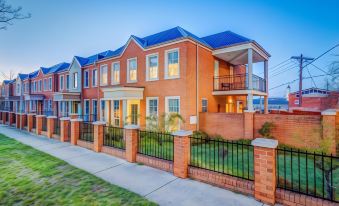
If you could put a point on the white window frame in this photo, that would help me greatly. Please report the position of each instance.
(148, 67)
(92, 108)
(86, 71)
(166, 102)
(95, 77)
(61, 82)
(113, 118)
(113, 81)
(75, 83)
(101, 78)
(45, 86)
(49, 83)
(147, 105)
(166, 63)
(128, 70)
(89, 106)
(67, 83)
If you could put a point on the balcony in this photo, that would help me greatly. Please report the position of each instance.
(238, 82)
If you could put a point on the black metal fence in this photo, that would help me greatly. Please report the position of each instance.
(114, 137)
(44, 124)
(56, 129)
(227, 157)
(86, 132)
(308, 173)
(156, 144)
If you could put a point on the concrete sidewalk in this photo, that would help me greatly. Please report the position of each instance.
(155, 185)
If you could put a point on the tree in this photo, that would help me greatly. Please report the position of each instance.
(8, 14)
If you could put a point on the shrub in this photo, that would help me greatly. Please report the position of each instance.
(266, 130)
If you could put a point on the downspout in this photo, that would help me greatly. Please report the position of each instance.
(197, 87)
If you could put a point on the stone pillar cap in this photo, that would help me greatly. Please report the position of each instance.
(99, 123)
(65, 118)
(41, 115)
(131, 126)
(249, 111)
(31, 114)
(52, 117)
(76, 120)
(182, 133)
(264, 142)
(329, 112)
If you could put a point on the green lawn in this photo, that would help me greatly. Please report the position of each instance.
(31, 177)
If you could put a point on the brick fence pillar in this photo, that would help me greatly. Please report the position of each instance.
(265, 179)
(98, 135)
(64, 124)
(329, 129)
(23, 119)
(11, 118)
(75, 130)
(39, 119)
(248, 124)
(30, 122)
(51, 120)
(131, 138)
(4, 119)
(181, 153)
(17, 120)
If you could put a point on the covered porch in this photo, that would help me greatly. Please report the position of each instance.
(237, 87)
(67, 103)
(121, 105)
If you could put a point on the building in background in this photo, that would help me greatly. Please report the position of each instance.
(274, 103)
(314, 99)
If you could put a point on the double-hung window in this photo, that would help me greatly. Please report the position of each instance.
(116, 113)
(86, 110)
(40, 85)
(94, 77)
(45, 85)
(86, 79)
(172, 105)
(50, 84)
(75, 80)
(115, 73)
(152, 67)
(152, 106)
(103, 75)
(67, 81)
(132, 69)
(61, 83)
(172, 69)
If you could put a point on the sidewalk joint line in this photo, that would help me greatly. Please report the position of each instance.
(109, 168)
(161, 186)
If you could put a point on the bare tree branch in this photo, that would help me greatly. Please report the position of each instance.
(8, 14)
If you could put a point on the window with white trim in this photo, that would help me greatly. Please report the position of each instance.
(50, 84)
(67, 81)
(40, 85)
(94, 77)
(172, 69)
(86, 79)
(86, 110)
(132, 69)
(75, 80)
(152, 63)
(116, 113)
(152, 106)
(61, 82)
(204, 103)
(103, 75)
(45, 85)
(115, 73)
(172, 105)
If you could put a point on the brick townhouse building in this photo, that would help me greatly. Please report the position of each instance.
(314, 99)
(173, 71)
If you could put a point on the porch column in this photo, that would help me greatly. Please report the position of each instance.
(124, 111)
(266, 86)
(250, 81)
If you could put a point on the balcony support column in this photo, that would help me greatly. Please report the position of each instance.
(250, 79)
(266, 86)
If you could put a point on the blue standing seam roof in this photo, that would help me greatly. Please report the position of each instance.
(214, 41)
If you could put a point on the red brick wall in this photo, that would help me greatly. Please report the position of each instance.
(337, 132)
(230, 126)
(114, 151)
(85, 144)
(294, 130)
(316, 103)
(155, 162)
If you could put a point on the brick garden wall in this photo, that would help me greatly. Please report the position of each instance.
(84, 144)
(230, 126)
(293, 130)
(337, 132)
(155, 162)
(114, 152)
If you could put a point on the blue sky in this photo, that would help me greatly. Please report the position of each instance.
(58, 30)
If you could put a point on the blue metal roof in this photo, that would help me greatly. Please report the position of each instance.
(224, 39)
(23, 76)
(33, 74)
(55, 68)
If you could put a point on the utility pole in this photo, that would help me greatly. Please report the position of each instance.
(301, 60)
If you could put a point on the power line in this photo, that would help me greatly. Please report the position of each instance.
(319, 68)
(309, 73)
(288, 69)
(321, 55)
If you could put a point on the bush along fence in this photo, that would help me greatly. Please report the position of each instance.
(272, 175)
